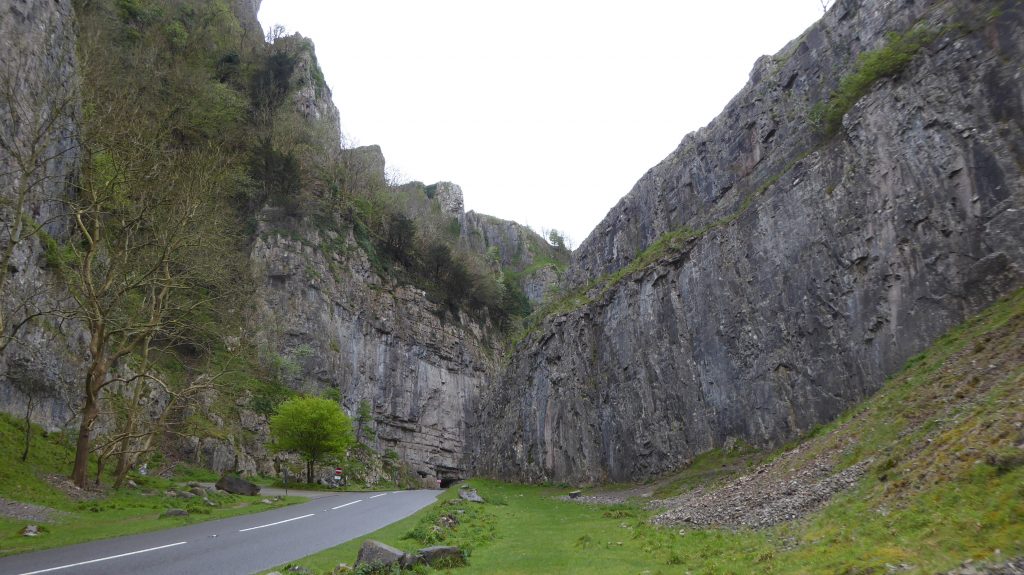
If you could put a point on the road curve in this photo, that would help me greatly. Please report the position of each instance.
(233, 546)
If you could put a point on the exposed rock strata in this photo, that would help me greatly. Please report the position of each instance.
(798, 301)
(326, 311)
(38, 112)
(517, 248)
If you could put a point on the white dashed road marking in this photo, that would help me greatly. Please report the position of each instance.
(104, 558)
(277, 523)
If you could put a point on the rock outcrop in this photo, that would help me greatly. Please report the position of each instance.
(801, 269)
(337, 325)
(516, 248)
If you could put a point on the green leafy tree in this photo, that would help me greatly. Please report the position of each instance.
(557, 239)
(314, 427)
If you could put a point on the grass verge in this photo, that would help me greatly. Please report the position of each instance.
(77, 517)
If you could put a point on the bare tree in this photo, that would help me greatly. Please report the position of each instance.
(151, 260)
(146, 407)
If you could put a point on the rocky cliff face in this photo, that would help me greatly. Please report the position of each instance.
(758, 281)
(38, 157)
(334, 323)
(517, 248)
(507, 245)
(331, 317)
(802, 269)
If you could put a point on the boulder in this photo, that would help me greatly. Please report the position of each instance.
(237, 485)
(446, 521)
(174, 513)
(376, 553)
(470, 494)
(443, 556)
(197, 491)
(30, 531)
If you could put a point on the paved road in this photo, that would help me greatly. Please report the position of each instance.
(272, 491)
(239, 545)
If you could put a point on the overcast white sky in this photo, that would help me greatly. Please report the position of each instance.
(544, 112)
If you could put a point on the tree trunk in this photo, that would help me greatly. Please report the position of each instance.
(309, 472)
(100, 462)
(123, 459)
(28, 428)
(89, 414)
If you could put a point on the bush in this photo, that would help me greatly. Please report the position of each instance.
(870, 67)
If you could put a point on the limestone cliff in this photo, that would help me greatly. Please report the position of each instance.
(518, 249)
(39, 157)
(334, 322)
(328, 313)
(766, 276)
(531, 262)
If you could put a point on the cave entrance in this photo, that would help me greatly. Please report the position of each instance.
(447, 482)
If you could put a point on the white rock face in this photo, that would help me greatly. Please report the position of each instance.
(38, 119)
(450, 197)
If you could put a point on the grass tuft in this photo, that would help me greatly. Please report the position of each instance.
(871, 66)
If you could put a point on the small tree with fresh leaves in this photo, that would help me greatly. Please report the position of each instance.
(314, 427)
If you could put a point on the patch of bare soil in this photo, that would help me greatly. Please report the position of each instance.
(1012, 567)
(28, 511)
(73, 491)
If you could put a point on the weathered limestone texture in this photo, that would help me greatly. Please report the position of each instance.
(819, 265)
(38, 161)
(331, 317)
